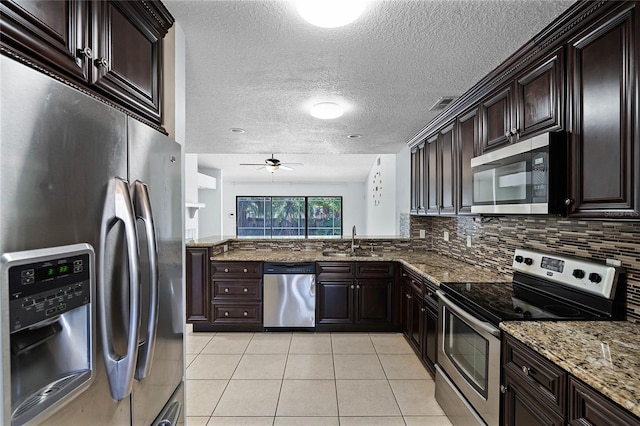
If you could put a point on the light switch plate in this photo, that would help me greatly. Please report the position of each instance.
(468, 240)
(446, 235)
(422, 233)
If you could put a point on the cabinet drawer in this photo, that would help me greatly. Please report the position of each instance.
(543, 377)
(588, 407)
(231, 313)
(236, 269)
(430, 295)
(237, 290)
(335, 268)
(374, 269)
(413, 281)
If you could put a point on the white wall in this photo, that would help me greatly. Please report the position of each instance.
(380, 195)
(353, 203)
(403, 189)
(191, 194)
(210, 217)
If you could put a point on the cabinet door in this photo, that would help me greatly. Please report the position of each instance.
(496, 119)
(52, 33)
(373, 301)
(433, 195)
(538, 94)
(128, 57)
(416, 314)
(604, 158)
(405, 308)
(468, 134)
(335, 302)
(448, 169)
(522, 408)
(422, 178)
(415, 185)
(197, 276)
(588, 407)
(430, 337)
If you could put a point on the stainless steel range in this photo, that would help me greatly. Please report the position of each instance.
(544, 287)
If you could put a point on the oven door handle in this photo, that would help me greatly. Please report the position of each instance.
(484, 325)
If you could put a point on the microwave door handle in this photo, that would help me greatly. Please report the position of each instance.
(142, 205)
(120, 369)
(483, 325)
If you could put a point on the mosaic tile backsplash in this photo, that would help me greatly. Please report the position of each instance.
(493, 240)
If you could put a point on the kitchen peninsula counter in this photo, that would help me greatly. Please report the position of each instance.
(432, 266)
(603, 354)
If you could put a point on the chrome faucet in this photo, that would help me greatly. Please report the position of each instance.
(353, 239)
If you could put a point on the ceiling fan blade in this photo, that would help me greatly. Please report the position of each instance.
(252, 164)
(292, 164)
(283, 167)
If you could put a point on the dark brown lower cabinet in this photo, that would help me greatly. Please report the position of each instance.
(430, 328)
(354, 296)
(588, 407)
(522, 407)
(197, 287)
(538, 392)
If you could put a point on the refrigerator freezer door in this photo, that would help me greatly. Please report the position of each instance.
(60, 148)
(156, 161)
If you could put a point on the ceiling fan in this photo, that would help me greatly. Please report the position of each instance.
(273, 164)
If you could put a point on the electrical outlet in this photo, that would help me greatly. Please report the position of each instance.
(468, 240)
(422, 233)
(225, 248)
(446, 235)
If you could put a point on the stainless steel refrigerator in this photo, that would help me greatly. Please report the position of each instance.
(77, 171)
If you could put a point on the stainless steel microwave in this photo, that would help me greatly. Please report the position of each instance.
(529, 177)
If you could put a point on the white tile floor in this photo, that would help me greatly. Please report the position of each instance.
(307, 379)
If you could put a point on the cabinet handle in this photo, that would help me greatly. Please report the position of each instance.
(568, 202)
(408, 296)
(245, 290)
(226, 270)
(226, 290)
(86, 52)
(352, 286)
(526, 370)
(515, 131)
(226, 314)
(245, 313)
(507, 134)
(429, 294)
(245, 270)
(504, 389)
(422, 309)
(102, 63)
(358, 286)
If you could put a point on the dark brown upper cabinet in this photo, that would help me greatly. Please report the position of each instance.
(538, 94)
(447, 150)
(497, 116)
(433, 180)
(415, 183)
(418, 179)
(605, 145)
(53, 33)
(468, 135)
(112, 49)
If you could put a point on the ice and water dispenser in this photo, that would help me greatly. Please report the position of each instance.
(47, 329)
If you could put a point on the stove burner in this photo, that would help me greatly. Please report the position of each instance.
(504, 307)
(563, 311)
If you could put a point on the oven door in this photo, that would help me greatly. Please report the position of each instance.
(469, 356)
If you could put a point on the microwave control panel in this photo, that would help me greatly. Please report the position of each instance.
(539, 176)
(46, 283)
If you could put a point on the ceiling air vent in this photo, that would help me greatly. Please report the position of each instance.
(442, 103)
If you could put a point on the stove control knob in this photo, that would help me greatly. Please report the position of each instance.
(578, 273)
(595, 278)
(519, 259)
(528, 261)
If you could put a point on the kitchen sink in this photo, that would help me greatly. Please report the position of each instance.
(349, 254)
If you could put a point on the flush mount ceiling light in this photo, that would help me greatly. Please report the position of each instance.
(330, 13)
(354, 136)
(326, 110)
(236, 130)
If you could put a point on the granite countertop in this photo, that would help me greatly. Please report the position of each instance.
(603, 354)
(434, 267)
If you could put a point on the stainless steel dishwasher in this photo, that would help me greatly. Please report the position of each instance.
(289, 295)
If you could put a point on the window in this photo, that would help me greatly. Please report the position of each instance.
(289, 217)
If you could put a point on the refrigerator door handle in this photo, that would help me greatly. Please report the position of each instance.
(142, 205)
(120, 368)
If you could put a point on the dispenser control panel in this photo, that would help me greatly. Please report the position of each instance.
(45, 284)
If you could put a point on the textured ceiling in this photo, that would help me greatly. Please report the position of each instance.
(257, 65)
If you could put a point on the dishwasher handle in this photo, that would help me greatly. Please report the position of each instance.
(289, 268)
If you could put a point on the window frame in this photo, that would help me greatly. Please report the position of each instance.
(268, 200)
